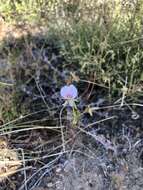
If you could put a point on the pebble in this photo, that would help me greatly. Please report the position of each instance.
(50, 184)
(58, 170)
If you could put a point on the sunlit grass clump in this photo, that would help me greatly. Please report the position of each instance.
(104, 38)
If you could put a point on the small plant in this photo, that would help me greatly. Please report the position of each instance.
(69, 93)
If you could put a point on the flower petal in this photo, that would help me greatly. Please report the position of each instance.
(63, 91)
(73, 91)
(69, 92)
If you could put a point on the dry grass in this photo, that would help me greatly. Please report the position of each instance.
(97, 45)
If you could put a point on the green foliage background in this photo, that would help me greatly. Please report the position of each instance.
(103, 37)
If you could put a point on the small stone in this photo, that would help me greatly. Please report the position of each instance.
(50, 184)
(58, 170)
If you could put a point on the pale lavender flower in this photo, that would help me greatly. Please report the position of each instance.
(69, 92)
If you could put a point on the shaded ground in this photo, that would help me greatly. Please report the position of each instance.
(104, 150)
(88, 163)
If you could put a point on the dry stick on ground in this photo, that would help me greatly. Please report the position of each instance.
(25, 177)
(44, 167)
(90, 125)
(41, 93)
(91, 82)
(102, 120)
(30, 128)
(61, 153)
(51, 127)
(22, 127)
(24, 117)
(116, 106)
(93, 108)
(6, 84)
(52, 155)
(43, 174)
(39, 120)
(51, 164)
(62, 130)
(66, 142)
